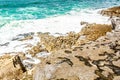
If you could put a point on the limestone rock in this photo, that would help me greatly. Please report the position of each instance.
(36, 49)
(61, 66)
(53, 43)
(114, 11)
(8, 71)
(92, 32)
(98, 60)
(115, 22)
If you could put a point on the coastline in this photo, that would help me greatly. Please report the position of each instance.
(64, 24)
(58, 24)
(64, 47)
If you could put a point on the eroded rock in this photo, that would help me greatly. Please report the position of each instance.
(114, 11)
(98, 60)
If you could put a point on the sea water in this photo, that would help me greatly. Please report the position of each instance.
(54, 16)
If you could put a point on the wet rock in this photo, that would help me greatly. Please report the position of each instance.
(43, 54)
(83, 23)
(5, 44)
(114, 11)
(25, 36)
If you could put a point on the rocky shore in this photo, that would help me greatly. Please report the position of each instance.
(91, 54)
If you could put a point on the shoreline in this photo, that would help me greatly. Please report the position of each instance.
(64, 24)
(48, 25)
(54, 55)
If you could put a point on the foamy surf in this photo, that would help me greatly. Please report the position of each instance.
(57, 24)
(19, 46)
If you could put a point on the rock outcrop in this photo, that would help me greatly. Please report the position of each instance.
(94, 31)
(114, 11)
(91, 54)
(114, 14)
(53, 43)
(90, 32)
(98, 60)
(115, 22)
(11, 69)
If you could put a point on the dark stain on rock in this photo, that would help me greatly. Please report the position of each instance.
(16, 61)
(97, 62)
(86, 61)
(114, 68)
(93, 48)
(48, 63)
(76, 48)
(64, 59)
(102, 77)
(68, 51)
(61, 79)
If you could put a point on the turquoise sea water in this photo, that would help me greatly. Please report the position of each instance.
(54, 16)
(37, 9)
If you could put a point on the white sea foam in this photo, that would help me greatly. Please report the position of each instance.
(19, 46)
(43, 54)
(58, 24)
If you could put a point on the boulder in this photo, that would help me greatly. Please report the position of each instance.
(11, 68)
(91, 32)
(114, 11)
(115, 22)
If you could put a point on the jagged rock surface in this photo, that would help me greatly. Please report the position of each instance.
(114, 11)
(98, 60)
